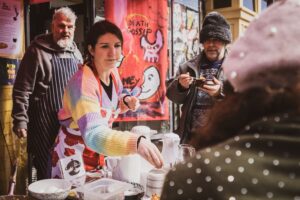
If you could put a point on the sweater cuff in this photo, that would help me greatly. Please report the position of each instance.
(132, 143)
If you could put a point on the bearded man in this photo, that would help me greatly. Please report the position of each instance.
(47, 65)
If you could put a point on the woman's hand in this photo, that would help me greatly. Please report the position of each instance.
(150, 152)
(132, 102)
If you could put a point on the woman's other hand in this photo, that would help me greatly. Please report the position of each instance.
(150, 152)
(133, 102)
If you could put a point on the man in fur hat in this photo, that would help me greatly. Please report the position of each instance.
(198, 82)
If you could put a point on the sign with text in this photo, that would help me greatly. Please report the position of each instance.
(143, 70)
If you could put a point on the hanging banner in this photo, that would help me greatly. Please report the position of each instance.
(38, 1)
(11, 29)
(144, 66)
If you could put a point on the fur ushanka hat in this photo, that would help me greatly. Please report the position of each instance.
(215, 26)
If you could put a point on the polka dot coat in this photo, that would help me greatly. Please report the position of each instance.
(263, 162)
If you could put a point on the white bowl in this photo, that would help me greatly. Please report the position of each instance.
(49, 189)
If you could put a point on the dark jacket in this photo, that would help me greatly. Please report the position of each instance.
(35, 74)
(261, 162)
(187, 97)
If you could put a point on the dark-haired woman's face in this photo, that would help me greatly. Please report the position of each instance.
(107, 51)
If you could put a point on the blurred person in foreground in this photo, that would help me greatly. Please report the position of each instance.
(92, 99)
(47, 65)
(256, 129)
(195, 97)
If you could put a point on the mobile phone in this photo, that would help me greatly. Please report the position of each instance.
(199, 82)
(209, 82)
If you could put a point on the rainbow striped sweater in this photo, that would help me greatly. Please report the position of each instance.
(87, 107)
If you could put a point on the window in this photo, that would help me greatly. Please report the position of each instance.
(264, 4)
(222, 3)
(250, 4)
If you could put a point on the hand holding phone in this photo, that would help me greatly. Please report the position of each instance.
(199, 82)
(211, 87)
(209, 82)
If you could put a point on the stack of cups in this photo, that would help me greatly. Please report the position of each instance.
(155, 182)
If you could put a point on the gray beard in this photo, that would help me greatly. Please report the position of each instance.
(66, 43)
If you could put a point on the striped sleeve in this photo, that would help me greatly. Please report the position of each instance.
(83, 101)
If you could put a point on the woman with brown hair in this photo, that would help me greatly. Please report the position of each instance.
(93, 98)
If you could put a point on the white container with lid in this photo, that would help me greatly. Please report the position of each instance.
(105, 189)
(125, 168)
(170, 148)
(155, 181)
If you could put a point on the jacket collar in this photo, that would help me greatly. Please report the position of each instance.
(194, 63)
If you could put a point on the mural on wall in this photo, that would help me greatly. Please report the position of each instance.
(144, 66)
(185, 34)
